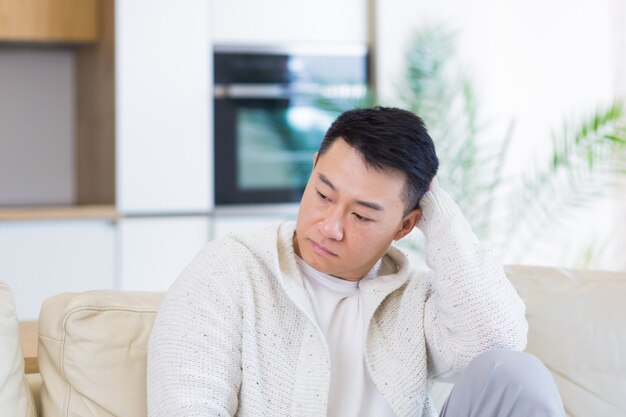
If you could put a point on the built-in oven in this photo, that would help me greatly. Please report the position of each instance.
(272, 107)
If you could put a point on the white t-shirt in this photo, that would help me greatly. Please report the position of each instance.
(337, 306)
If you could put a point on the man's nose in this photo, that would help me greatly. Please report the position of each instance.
(332, 225)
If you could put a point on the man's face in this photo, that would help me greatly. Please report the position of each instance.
(350, 213)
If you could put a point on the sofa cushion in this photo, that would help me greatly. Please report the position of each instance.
(92, 352)
(15, 397)
(577, 327)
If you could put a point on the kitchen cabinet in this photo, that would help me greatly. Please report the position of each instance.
(39, 259)
(49, 21)
(153, 251)
(56, 107)
(163, 107)
(224, 225)
(288, 22)
(135, 128)
(36, 127)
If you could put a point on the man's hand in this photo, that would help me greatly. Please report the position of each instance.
(433, 184)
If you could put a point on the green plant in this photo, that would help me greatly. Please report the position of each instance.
(470, 163)
(587, 155)
(587, 158)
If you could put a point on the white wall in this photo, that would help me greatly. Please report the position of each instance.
(619, 75)
(536, 63)
(36, 126)
(533, 60)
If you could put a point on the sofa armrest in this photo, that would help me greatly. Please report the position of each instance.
(92, 352)
(15, 396)
(577, 328)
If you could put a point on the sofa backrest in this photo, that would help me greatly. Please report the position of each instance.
(92, 353)
(15, 397)
(577, 327)
(92, 346)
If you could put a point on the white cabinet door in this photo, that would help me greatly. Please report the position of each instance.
(289, 21)
(224, 225)
(163, 106)
(39, 259)
(154, 251)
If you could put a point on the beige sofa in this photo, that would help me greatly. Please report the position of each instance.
(92, 346)
(15, 396)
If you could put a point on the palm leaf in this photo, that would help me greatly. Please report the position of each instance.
(579, 171)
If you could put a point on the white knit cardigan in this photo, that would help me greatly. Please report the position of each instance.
(236, 333)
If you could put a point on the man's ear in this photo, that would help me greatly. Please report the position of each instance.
(409, 221)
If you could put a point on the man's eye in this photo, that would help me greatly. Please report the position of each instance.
(322, 196)
(361, 218)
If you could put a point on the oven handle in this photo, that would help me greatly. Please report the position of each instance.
(251, 91)
(286, 91)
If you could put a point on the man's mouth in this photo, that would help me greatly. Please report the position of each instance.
(321, 250)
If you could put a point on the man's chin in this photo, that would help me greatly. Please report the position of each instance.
(318, 264)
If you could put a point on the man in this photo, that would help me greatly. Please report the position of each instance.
(326, 317)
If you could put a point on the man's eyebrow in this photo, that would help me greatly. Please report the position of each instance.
(368, 204)
(372, 205)
(327, 182)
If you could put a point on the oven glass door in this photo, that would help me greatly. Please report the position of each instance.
(271, 156)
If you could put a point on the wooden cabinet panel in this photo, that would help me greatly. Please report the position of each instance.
(49, 20)
(95, 113)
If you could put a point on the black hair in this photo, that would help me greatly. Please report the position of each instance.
(389, 138)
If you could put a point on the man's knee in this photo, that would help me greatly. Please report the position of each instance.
(522, 373)
(504, 382)
(512, 365)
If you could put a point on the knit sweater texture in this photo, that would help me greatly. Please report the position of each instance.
(237, 336)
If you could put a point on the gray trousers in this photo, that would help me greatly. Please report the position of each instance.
(504, 383)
